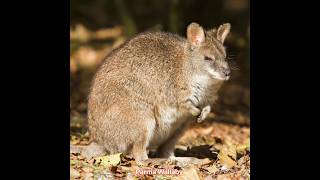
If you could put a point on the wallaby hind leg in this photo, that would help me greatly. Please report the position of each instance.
(88, 151)
(139, 150)
(166, 150)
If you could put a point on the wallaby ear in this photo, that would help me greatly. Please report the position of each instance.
(223, 31)
(195, 34)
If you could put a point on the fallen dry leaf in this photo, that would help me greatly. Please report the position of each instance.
(212, 169)
(87, 169)
(189, 173)
(109, 160)
(230, 149)
(87, 176)
(225, 160)
(74, 173)
(74, 140)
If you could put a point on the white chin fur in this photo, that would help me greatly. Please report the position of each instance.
(220, 78)
(216, 75)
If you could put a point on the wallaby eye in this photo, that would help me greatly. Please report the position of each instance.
(208, 58)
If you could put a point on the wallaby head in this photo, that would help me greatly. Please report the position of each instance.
(206, 49)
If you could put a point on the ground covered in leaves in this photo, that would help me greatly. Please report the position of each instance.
(221, 143)
(223, 151)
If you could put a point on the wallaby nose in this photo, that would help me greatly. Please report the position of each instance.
(227, 72)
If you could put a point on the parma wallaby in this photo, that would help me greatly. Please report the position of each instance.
(147, 91)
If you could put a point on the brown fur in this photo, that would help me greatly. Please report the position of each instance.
(145, 92)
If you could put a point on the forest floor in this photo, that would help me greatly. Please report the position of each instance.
(221, 144)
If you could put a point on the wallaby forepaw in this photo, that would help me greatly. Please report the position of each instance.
(204, 114)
